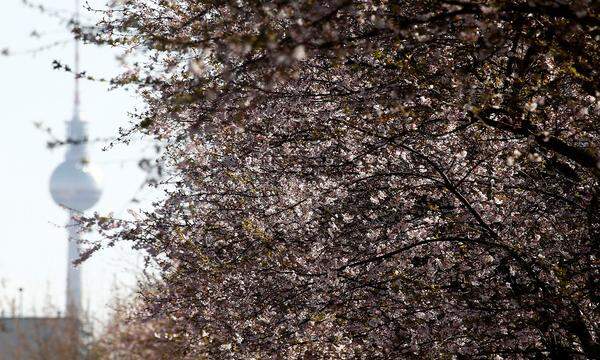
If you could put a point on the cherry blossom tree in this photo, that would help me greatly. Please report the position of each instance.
(368, 179)
(130, 334)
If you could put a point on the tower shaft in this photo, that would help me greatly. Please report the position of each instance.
(73, 305)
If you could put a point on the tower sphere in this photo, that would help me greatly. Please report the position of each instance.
(75, 185)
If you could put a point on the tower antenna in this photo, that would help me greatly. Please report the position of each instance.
(76, 98)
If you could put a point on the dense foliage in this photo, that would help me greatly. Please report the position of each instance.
(369, 179)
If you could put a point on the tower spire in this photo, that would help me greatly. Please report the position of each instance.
(76, 97)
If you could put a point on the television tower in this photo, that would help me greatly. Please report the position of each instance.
(75, 187)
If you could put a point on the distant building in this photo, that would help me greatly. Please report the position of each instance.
(39, 338)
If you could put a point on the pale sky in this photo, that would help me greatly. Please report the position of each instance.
(33, 245)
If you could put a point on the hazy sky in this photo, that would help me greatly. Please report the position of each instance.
(33, 244)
